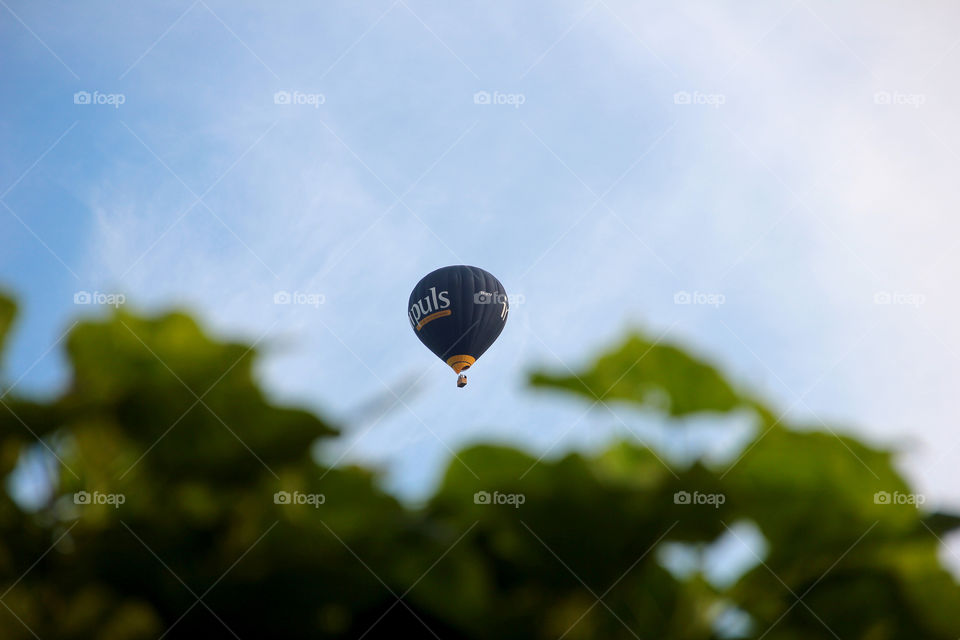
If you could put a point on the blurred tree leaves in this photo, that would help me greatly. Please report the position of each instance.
(825, 503)
(645, 372)
(227, 527)
(8, 311)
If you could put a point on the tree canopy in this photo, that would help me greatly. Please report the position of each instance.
(184, 503)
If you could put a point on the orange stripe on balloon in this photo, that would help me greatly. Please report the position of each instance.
(433, 316)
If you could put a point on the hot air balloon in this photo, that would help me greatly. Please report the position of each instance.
(458, 312)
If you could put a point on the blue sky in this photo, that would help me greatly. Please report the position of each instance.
(791, 157)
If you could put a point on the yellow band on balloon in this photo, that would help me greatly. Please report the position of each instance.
(433, 316)
(459, 363)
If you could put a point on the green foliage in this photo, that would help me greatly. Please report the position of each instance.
(8, 310)
(643, 372)
(509, 546)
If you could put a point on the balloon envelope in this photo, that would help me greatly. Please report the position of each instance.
(458, 312)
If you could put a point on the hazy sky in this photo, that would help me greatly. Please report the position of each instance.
(797, 161)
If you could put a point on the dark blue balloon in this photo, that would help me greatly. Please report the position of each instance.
(458, 312)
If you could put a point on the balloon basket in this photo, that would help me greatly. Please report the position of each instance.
(461, 381)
